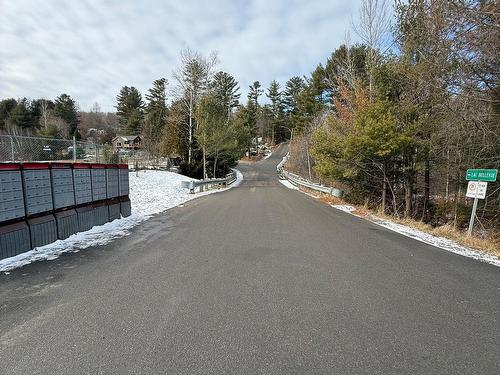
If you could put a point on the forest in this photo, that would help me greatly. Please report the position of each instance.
(394, 120)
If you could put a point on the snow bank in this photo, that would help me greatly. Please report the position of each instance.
(289, 185)
(268, 155)
(282, 162)
(344, 207)
(239, 178)
(151, 192)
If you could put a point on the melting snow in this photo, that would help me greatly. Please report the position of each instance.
(289, 185)
(344, 207)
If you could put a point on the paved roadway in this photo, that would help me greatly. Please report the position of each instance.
(256, 280)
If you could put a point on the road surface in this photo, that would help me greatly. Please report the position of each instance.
(256, 280)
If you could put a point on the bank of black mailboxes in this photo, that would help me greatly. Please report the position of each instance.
(43, 202)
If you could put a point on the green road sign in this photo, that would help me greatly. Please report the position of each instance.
(481, 175)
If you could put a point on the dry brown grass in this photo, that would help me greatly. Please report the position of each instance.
(489, 244)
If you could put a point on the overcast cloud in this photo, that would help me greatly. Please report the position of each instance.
(89, 49)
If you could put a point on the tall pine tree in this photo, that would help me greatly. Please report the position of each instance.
(155, 114)
(254, 92)
(275, 95)
(21, 116)
(226, 88)
(130, 110)
(66, 109)
(292, 90)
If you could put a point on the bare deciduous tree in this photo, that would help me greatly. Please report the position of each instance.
(193, 77)
(372, 28)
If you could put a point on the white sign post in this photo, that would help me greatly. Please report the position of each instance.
(476, 190)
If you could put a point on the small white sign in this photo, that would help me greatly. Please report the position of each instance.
(476, 189)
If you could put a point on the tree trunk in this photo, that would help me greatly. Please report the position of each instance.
(204, 164)
(427, 190)
(447, 191)
(394, 203)
(308, 160)
(190, 127)
(408, 195)
(215, 163)
(384, 188)
(458, 192)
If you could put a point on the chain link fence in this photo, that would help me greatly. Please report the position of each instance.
(16, 148)
(21, 148)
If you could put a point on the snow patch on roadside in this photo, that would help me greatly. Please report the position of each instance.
(268, 155)
(282, 162)
(239, 179)
(151, 192)
(440, 242)
(344, 207)
(289, 185)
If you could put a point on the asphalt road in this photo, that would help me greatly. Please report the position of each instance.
(256, 280)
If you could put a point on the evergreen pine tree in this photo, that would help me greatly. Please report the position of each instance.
(254, 92)
(292, 90)
(6, 107)
(253, 109)
(130, 110)
(276, 97)
(226, 88)
(20, 116)
(66, 109)
(155, 114)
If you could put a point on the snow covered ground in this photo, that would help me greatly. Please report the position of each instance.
(289, 185)
(344, 207)
(268, 155)
(151, 192)
(282, 162)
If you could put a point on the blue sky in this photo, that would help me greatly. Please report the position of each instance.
(90, 48)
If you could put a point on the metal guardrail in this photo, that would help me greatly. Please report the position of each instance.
(210, 183)
(297, 180)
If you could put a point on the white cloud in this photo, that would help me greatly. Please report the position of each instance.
(89, 49)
